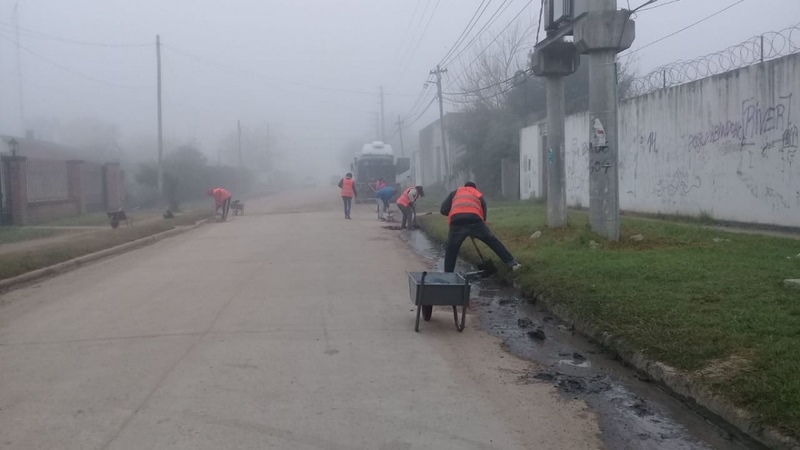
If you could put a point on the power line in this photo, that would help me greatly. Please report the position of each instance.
(419, 116)
(74, 72)
(408, 28)
(504, 91)
(418, 102)
(475, 91)
(468, 28)
(657, 6)
(491, 43)
(647, 3)
(422, 36)
(501, 9)
(683, 29)
(72, 41)
(280, 80)
(408, 55)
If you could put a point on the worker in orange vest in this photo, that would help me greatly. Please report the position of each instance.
(407, 203)
(348, 187)
(222, 200)
(466, 210)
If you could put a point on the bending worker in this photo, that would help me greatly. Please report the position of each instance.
(348, 186)
(466, 210)
(382, 197)
(222, 200)
(407, 203)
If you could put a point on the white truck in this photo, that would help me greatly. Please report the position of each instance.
(376, 161)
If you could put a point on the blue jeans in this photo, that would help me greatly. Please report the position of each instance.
(348, 202)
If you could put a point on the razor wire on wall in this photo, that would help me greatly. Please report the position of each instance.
(756, 50)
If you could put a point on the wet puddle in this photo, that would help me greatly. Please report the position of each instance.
(634, 414)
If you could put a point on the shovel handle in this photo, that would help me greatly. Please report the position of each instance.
(477, 249)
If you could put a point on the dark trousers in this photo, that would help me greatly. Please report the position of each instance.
(408, 214)
(477, 230)
(226, 206)
(348, 203)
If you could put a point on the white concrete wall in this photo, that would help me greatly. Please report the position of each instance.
(724, 146)
(529, 156)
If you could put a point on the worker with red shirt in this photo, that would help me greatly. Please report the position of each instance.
(348, 187)
(222, 200)
(466, 210)
(407, 203)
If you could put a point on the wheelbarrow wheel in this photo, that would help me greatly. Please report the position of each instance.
(427, 312)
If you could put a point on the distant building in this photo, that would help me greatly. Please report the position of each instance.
(430, 164)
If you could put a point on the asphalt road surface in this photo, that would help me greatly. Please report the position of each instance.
(287, 328)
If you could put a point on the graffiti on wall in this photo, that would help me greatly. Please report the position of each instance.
(678, 183)
(757, 125)
(576, 165)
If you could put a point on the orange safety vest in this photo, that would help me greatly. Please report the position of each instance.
(347, 187)
(467, 200)
(404, 199)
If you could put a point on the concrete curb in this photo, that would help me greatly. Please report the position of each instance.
(10, 283)
(675, 382)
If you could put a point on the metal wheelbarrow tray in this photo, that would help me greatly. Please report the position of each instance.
(429, 289)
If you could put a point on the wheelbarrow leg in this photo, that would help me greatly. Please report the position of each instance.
(460, 326)
(418, 297)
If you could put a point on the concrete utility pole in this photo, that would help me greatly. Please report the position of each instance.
(160, 125)
(555, 61)
(605, 32)
(399, 124)
(438, 73)
(383, 121)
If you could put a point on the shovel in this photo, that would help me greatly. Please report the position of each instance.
(486, 268)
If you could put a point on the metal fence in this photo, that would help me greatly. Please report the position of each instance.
(93, 186)
(47, 180)
(753, 51)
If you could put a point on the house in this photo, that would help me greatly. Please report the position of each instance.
(431, 165)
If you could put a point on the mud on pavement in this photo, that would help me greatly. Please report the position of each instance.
(633, 413)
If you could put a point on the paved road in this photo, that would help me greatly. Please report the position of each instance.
(288, 328)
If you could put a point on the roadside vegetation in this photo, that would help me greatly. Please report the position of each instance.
(17, 263)
(709, 303)
(10, 235)
(97, 219)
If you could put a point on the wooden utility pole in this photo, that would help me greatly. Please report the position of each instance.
(160, 125)
(438, 73)
(239, 141)
(383, 122)
(399, 124)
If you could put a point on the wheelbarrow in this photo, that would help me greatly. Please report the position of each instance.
(429, 289)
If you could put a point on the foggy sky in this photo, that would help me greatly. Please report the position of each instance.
(255, 56)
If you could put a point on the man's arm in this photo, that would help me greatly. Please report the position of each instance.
(447, 204)
(485, 208)
(355, 194)
(340, 183)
